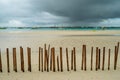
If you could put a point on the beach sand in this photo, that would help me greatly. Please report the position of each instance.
(64, 39)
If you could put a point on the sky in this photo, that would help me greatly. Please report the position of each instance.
(24, 13)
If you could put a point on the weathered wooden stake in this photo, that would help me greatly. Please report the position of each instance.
(8, 65)
(61, 60)
(45, 57)
(74, 52)
(42, 59)
(82, 58)
(96, 59)
(109, 59)
(115, 58)
(47, 61)
(103, 62)
(39, 57)
(67, 59)
(99, 54)
(22, 59)
(58, 63)
(14, 60)
(54, 60)
(72, 60)
(51, 59)
(85, 59)
(91, 58)
(0, 62)
(29, 59)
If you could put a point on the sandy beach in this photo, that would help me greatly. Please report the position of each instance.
(64, 39)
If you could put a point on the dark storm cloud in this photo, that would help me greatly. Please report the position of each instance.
(80, 10)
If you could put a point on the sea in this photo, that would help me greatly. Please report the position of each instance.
(56, 28)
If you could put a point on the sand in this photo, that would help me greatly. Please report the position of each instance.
(65, 39)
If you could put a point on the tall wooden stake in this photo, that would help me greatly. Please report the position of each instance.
(29, 59)
(54, 60)
(22, 59)
(61, 60)
(67, 59)
(0, 62)
(99, 56)
(72, 60)
(91, 58)
(96, 59)
(109, 59)
(14, 60)
(8, 65)
(85, 65)
(51, 59)
(39, 57)
(103, 62)
(74, 52)
(42, 59)
(58, 63)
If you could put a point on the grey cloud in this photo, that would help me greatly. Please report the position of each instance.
(82, 10)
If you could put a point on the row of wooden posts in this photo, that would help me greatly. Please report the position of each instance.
(49, 62)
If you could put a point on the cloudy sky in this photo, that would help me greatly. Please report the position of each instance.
(59, 12)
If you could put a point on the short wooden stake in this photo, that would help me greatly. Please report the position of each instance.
(22, 59)
(29, 59)
(91, 58)
(103, 61)
(109, 59)
(74, 52)
(67, 59)
(8, 65)
(0, 62)
(61, 60)
(58, 63)
(72, 60)
(14, 60)
(39, 57)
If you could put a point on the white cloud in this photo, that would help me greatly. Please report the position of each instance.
(16, 23)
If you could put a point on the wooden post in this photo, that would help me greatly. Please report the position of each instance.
(42, 59)
(8, 65)
(91, 58)
(54, 60)
(115, 58)
(47, 61)
(96, 59)
(103, 62)
(61, 60)
(99, 52)
(85, 65)
(39, 57)
(45, 57)
(51, 59)
(82, 57)
(67, 59)
(109, 59)
(58, 63)
(0, 62)
(72, 60)
(22, 59)
(48, 53)
(14, 60)
(29, 59)
(74, 52)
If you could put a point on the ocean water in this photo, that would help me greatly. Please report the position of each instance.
(56, 28)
